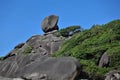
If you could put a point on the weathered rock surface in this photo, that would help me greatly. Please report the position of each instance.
(37, 67)
(104, 60)
(50, 23)
(113, 75)
(43, 44)
(3, 78)
(46, 44)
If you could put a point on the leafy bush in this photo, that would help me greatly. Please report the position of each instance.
(69, 31)
(114, 54)
(26, 49)
(88, 45)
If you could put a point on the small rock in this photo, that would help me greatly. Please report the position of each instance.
(19, 45)
(104, 60)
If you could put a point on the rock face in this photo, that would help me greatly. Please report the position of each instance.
(43, 44)
(47, 44)
(113, 75)
(104, 60)
(50, 23)
(37, 67)
(3, 78)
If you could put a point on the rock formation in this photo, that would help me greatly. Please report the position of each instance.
(32, 60)
(37, 67)
(104, 60)
(50, 23)
(43, 44)
(113, 75)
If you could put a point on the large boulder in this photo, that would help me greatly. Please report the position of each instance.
(50, 23)
(37, 67)
(113, 75)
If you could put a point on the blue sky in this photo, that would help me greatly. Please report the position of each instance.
(20, 19)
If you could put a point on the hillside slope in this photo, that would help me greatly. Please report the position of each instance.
(88, 47)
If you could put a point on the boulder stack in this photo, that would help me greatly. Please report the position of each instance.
(32, 60)
(49, 23)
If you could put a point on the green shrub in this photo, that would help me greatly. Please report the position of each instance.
(1, 58)
(88, 45)
(27, 49)
(114, 54)
(69, 31)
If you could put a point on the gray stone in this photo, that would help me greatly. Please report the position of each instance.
(3, 78)
(23, 50)
(43, 44)
(19, 45)
(36, 76)
(37, 67)
(47, 44)
(104, 60)
(50, 23)
(113, 75)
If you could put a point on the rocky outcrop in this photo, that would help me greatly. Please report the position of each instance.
(37, 67)
(50, 23)
(43, 44)
(32, 60)
(104, 60)
(113, 75)
(19, 45)
(46, 44)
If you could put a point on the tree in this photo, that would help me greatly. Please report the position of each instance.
(69, 31)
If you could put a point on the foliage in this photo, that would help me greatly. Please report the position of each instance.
(26, 49)
(90, 44)
(1, 58)
(93, 71)
(69, 31)
(114, 52)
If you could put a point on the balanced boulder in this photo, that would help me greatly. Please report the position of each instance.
(50, 23)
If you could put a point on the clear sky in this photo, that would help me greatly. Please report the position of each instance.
(20, 19)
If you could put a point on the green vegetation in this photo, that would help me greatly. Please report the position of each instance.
(69, 31)
(25, 50)
(88, 45)
(1, 58)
